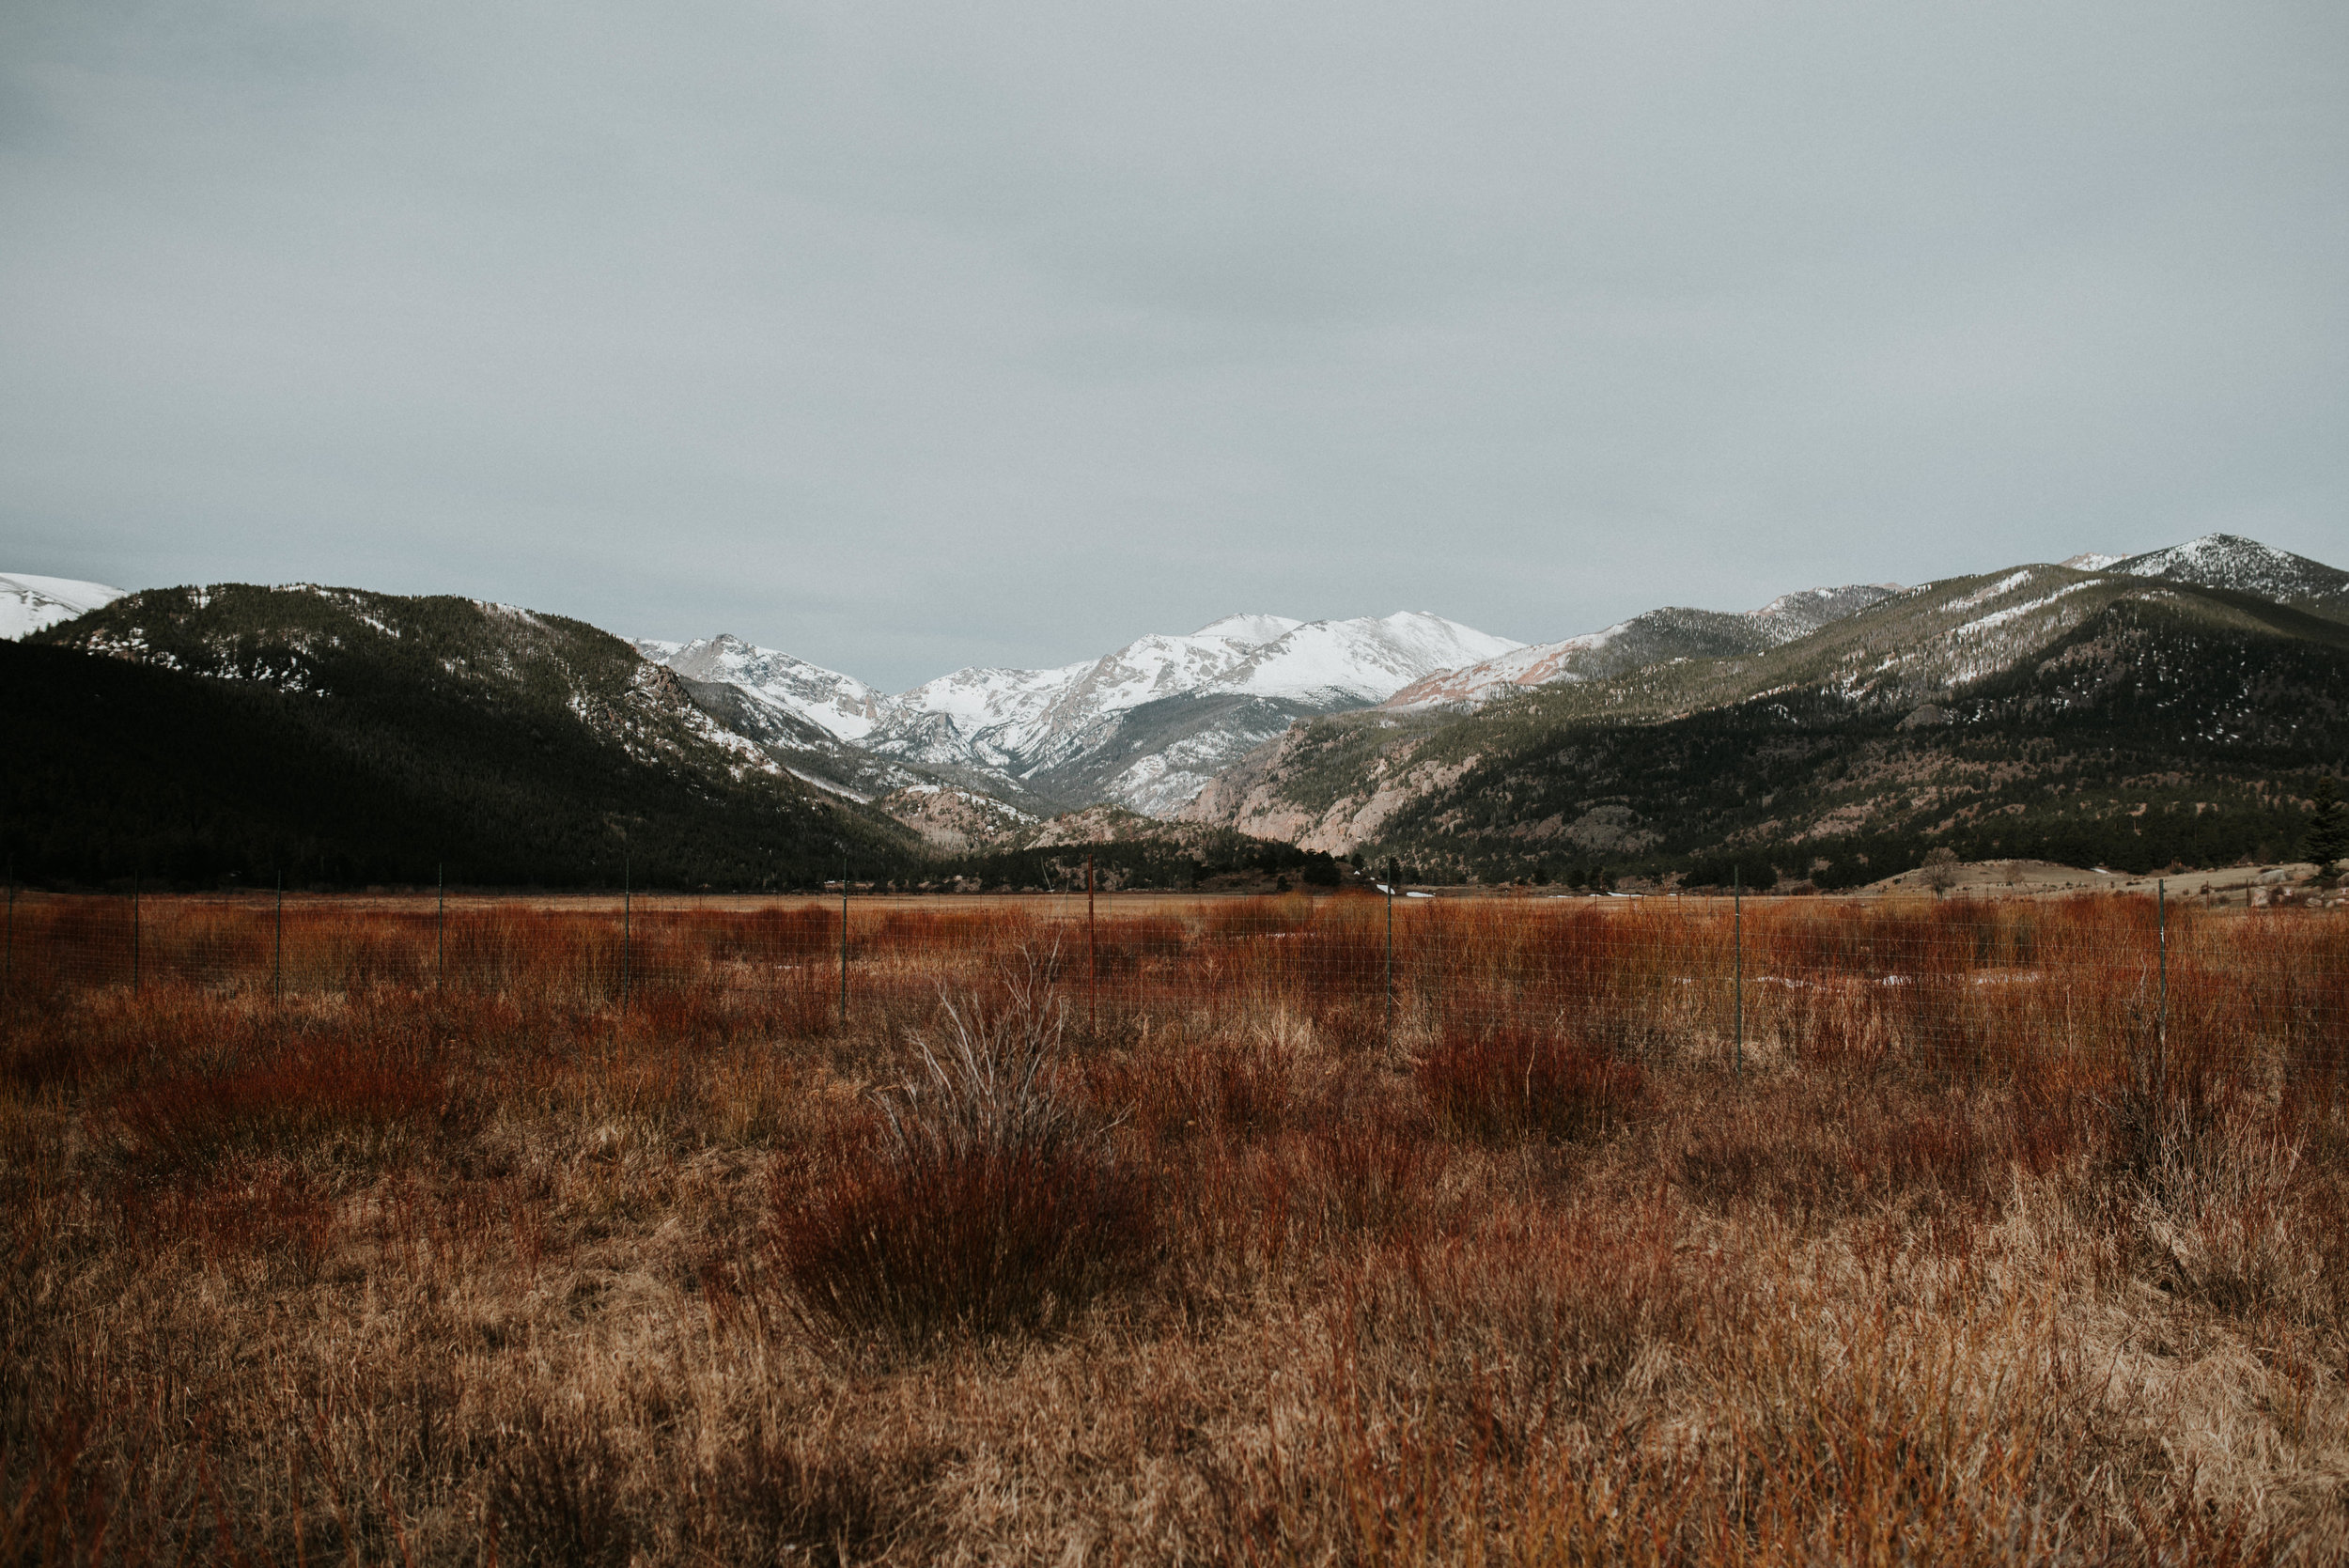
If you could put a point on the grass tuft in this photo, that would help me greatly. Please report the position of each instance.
(985, 1204)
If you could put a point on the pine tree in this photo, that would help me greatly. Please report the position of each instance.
(2328, 838)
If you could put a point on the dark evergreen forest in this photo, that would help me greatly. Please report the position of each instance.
(119, 768)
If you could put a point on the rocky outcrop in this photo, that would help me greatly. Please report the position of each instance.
(1255, 796)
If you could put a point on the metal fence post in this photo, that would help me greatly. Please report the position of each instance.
(2161, 1017)
(1093, 962)
(278, 955)
(843, 942)
(628, 899)
(7, 966)
(1394, 870)
(1737, 928)
(134, 933)
(440, 927)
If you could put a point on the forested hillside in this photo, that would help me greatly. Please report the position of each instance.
(333, 736)
(2090, 720)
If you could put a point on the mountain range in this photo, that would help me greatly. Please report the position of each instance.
(1637, 748)
(1146, 726)
(2137, 711)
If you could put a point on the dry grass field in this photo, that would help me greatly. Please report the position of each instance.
(1886, 1232)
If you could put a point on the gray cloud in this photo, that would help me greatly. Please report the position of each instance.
(915, 336)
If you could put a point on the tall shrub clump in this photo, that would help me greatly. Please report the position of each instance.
(984, 1202)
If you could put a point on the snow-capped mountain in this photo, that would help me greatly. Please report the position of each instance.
(842, 705)
(1147, 725)
(2212, 561)
(30, 604)
(1144, 726)
(1654, 638)
(1024, 719)
(2249, 566)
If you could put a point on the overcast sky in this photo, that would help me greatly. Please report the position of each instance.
(911, 335)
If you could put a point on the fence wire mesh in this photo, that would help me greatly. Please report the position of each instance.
(1958, 984)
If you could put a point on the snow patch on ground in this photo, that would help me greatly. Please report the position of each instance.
(2013, 611)
(2006, 584)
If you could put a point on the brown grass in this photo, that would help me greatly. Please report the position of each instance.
(1986, 1257)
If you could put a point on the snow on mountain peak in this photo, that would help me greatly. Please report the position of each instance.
(2231, 561)
(30, 603)
(1364, 660)
(1023, 720)
(1256, 630)
(842, 704)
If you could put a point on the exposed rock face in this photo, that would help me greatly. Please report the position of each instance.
(1256, 795)
(1608, 829)
(1107, 824)
(957, 820)
(841, 706)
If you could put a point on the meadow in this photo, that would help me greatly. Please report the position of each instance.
(1547, 1232)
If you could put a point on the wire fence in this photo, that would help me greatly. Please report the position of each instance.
(1748, 983)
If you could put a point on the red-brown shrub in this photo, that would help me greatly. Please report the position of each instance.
(1808, 1150)
(296, 1097)
(1171, 1092)
(1516, 1081)
(984, 1203)
(1361, 1173)
(267, 1208)
(1258, 917)
(985, 1243)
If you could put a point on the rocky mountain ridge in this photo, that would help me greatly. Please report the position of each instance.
(1654, 638)
(2216, 661)
(2245, 566)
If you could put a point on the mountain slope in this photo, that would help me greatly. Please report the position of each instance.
(1657, 637)
(342, 736)
(2247, 566)
(809, 721)
(30, 604)
(1905, 722)
(841, 706)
